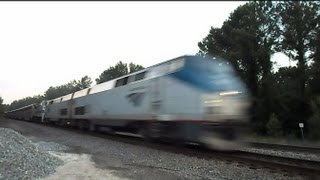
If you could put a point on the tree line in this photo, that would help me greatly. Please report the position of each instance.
(249, 37)
(52, 92)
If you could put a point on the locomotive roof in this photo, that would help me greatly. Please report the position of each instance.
(109, 84)
(24, 107)
(114, 80)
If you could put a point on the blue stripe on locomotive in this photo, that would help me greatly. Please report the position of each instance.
(209, 75)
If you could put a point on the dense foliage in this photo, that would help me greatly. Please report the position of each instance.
(52, 92)
(72, 86)
(2, 107)
(120, 69)
(25, 101)
(249, 37)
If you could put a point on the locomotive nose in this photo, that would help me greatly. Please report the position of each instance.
(225, 105)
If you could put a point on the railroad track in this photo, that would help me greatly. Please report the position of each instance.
(292, 166)
(301, 166)
(306, 149)
(309, 169)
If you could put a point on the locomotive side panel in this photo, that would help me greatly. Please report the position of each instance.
(181, 102)
(54, 111)
(124, 102)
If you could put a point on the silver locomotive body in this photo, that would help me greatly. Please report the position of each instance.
(188, 99)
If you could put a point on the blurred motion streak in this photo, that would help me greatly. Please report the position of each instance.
(189, 99)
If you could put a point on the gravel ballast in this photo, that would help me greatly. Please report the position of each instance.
(138, 161)
(282, 153)
(50, 146)
(21, 159)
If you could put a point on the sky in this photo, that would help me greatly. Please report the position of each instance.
(45, 44)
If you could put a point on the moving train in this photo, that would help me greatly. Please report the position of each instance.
(188, 99)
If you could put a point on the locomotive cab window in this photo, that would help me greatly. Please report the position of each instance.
(79, 110)
(121, 82)
(139, 76)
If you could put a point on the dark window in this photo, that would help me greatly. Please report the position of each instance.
(121, 82)
(139, 76)
(79, 110)
(63, 112)
(51, 102)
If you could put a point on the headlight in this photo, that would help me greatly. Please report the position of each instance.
(225, 93)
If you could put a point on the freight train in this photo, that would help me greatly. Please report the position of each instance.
(189, 99)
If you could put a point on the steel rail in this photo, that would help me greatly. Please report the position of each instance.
(295, 148)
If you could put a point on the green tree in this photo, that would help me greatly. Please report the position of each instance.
(247, 39)
(299, 31)
(299, 22)
(314, 73)
(314, 78)
(25, 101)
(135, 67)
(274, 126)
(314, 121)
(120, 69)
(54, 92)
(83, 83)
(1, 107)
(112, 72)
(72, 86)
(286, 81)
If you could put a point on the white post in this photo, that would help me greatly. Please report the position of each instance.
(301, 128)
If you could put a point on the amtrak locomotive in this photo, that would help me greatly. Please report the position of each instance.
(186, 99)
